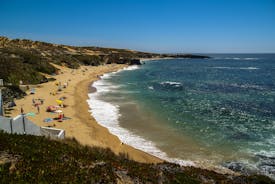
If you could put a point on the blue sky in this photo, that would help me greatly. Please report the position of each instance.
(188, 26)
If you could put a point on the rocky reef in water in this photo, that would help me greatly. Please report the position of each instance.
(190, 56)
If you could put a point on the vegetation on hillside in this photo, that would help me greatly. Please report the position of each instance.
(25, 60)
(18, 64)
(22, 59)
(32, 159)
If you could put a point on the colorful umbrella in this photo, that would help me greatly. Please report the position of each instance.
(59, 102)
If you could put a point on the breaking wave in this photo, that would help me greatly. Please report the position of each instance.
(107, 115)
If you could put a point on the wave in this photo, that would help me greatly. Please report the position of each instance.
(236, 68)
(264, 165)
(246, 86)
(250, 58)
(221, 67)
(107, 115)
(129, 68)
(249, 68)
(171, 83)
(151, 87)
(238, 58)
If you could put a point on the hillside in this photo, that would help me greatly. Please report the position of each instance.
(27, 61)
(25, 158)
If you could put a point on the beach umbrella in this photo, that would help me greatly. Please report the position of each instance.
(59, 102)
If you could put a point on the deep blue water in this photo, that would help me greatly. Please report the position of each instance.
(225, 104)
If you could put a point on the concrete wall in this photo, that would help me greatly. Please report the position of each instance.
(52, 132)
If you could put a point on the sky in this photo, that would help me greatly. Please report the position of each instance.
(165, 26)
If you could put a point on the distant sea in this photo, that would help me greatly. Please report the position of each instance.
(218, 111)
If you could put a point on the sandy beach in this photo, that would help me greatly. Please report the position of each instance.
(81, 125)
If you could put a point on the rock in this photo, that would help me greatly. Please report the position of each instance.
(135, 62)
(239, 167)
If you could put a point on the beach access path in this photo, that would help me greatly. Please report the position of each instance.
(80, 125)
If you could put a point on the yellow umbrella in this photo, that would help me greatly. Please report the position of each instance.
(59, 102)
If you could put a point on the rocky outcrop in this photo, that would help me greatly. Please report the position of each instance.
(25, 60)
(190, 56)
(135, 62)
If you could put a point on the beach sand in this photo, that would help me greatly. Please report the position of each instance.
(82, 126)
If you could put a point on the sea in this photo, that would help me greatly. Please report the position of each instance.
(217, 112)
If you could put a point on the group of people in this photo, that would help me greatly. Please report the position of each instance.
(36, 103)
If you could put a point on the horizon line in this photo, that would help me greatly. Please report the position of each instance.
(155, 52)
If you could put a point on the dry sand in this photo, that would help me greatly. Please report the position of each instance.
(83, 127)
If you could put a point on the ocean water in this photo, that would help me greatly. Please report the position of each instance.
(218, 111)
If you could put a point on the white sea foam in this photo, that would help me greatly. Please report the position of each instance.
(171, 83)
(265, 153)
(222, 67)
(108, 114)
(238, 58)
(251, 58)
(249, 68)
(247, 86)
(236, 68)
(133, 67)
(151, 87)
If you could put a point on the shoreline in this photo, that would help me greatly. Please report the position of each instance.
(123, 134)
(113, 123)
(82, 126)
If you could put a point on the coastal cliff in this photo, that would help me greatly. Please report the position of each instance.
(27, 61)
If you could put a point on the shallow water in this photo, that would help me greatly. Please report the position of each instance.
(218, 111)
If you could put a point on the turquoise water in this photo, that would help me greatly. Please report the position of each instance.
(219, 110)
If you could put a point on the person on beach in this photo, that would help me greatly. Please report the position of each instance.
(38, 108)
(33, 101)
(22, 110)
